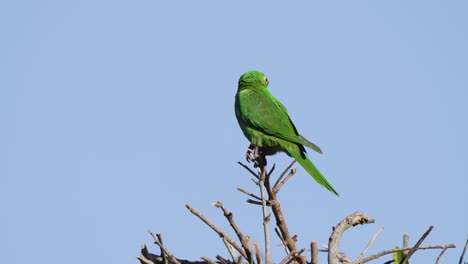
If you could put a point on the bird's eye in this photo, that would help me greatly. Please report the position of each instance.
(266, 79)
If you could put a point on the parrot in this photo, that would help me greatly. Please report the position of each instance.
(266, 124)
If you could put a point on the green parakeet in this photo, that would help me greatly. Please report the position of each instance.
(267, 125)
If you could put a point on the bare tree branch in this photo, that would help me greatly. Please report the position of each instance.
(208, 260)
(250, 201)
(243, 239)
(222, 260)
(217, 230)
(412, 250)
(356, 218)
(313, 252)
(293, 255)
(266, 216)
(297, 256)
(281, 222)
(268, 197)
(258, 253)
(145, 257)
(369, 245)
(144, 260)
(463, 252)
(283, 243)
(271, 170)
(441, 257)
(231, 251)
(390, 251)
(158, 235)
(278, 188)
(283, 261)
(249, 194)
(405, 241)
(247, 168)
(275, 186)
(163, 249)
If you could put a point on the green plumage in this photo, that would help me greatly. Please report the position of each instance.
(266, 124)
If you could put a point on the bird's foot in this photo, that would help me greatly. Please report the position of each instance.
(254, 154)
(250, 154)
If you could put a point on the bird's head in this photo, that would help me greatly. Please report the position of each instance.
(253, 79)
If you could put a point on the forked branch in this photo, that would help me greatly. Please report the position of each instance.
(268, 198)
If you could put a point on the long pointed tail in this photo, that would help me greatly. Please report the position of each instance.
(307, 164)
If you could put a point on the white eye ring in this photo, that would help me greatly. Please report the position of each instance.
(266, 79)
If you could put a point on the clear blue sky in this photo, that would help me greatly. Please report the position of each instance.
(115, 114)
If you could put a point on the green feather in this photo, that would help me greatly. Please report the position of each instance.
(398, 256)
(307, 164)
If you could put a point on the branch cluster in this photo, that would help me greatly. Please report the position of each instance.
(242, 250)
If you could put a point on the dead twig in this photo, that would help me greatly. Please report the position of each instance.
(291, 173)
(256, 182)
(158, 235)
(231, 251)
(390, 251)
(258, 253)
(275, 186)
(249, 194)
(248, 169)
(281, 222)
(292, 256)
(271, 170)
(266, 216)
(463, 252)
(313, 252)
(414, 248)
(243, 239)
(208, 260)
(164, 250)
(283, 243)
(356, 218)
(369, 245)
(441, 257)
(254, 202)
(145, 257)
(217, 230)
(222, 260)
(288, 257)
(297, 256)
(144, 260)
(405, 241)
